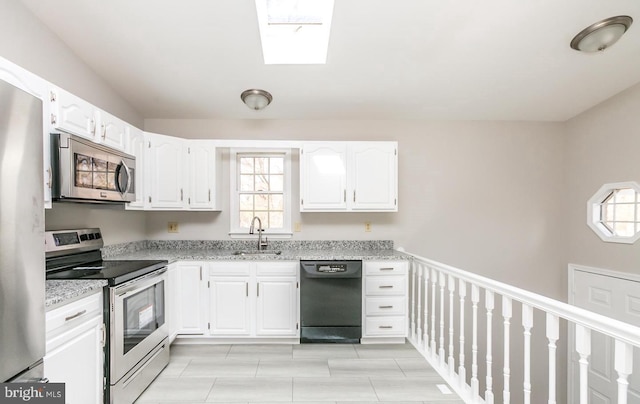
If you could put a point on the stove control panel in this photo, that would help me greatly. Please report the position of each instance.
(58, 242)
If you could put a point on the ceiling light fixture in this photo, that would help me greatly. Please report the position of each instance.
(256, 99)
(601, 35)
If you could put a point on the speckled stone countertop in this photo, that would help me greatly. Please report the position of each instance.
(66, 291)
(285, 255)
(193, 250)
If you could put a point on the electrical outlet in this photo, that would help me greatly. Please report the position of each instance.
(367, 226)
(173, 227)
(297, 227)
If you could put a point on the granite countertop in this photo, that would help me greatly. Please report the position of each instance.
(286, 255)
(65, 291)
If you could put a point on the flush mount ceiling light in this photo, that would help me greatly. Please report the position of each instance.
(256, 99)
(602, 34)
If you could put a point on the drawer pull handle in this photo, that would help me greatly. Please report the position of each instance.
(385, 307)
(387, 269)
(386, 287)
(386, 327)
(78, 314)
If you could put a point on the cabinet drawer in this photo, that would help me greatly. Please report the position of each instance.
(288, 268)
(385, 306)
(385, 326)
(391, 285)
(385, 268)
(73, 313)
(230, 268)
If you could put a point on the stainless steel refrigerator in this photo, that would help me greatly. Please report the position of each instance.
(22, 266)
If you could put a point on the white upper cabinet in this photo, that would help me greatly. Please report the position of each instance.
(349, 176)
(165, 172)
(373, 174)
(38, 87)
(73, 114)
(135, 146)
(204, 174)
(113, 131)
(323, 176)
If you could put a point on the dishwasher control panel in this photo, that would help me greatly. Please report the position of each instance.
(331, 268)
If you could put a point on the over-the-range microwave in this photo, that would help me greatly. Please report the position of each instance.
(84, 171)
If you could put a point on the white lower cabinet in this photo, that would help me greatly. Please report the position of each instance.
(191, 296)
(253, 299)
(75, 355)
(385, 302)
(173, 300)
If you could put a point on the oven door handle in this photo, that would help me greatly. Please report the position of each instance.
(141, 283)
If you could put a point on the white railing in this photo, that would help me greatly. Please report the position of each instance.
(433, 290)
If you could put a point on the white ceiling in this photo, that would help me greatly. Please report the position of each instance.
(401, 59)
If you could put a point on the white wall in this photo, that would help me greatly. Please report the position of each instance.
(28, 43)
(478, 195)
(602, 146)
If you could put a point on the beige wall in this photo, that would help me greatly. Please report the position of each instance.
(117, 224)
(602, 146)
(477, 195)
(28, 43)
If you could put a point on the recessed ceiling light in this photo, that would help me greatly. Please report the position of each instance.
(294, 31)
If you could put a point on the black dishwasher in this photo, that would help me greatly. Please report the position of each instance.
(331, 301)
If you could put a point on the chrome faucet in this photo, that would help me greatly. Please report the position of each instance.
(261, 245)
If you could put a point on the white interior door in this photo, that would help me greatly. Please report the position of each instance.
(614, 297)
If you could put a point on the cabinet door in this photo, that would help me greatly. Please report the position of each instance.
(230, 308)
(113, 131)
(136, 147)
(73, 114)
(36, 86)
(173, 301)
(323, 185)
(165, 170)
(78, 362)
(202, 175)
(277, 306)
(191, 298)
(373, 176)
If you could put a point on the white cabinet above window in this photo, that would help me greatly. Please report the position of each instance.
(349, 176)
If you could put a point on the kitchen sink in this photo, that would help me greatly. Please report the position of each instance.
(257, 252)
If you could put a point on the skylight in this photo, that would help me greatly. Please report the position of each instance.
(294, 31)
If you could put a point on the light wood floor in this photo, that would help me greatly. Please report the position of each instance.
(306, 373)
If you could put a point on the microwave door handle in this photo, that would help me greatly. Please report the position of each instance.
(129, 179)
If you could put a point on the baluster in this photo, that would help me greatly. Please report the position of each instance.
(425, 320)
(583, 347)
(552, 335)
(506, 314)
(442, 281)
(434, 279)
(418, 337)
(624, 367)
(489, 303)
(413, 301)
(475, 384)
(462, 373)
(527, 324)
(450, 359)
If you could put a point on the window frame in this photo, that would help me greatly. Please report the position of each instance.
(234, 187)
(594, 212)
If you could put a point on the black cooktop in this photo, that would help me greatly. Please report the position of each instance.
(81, 266)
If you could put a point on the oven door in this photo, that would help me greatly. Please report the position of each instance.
(137, 321)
